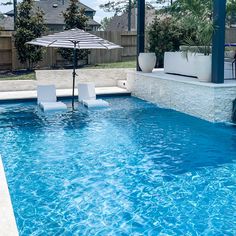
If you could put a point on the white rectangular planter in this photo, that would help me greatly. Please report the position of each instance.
(178, 63)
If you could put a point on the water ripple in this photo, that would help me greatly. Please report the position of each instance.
(133, 169)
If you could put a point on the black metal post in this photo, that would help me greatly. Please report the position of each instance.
(140, 29)
(218, 41)
(74, 74)
(15, 12)
(129, 16)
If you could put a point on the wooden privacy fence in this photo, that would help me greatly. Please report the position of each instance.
(126, 39)
(5, 52)
(230, 35)
(9, 61)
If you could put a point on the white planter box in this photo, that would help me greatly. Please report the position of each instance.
(203, 68)
(177, 63)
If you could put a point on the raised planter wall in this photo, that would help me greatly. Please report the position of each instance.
(63, 78)
(211, 102)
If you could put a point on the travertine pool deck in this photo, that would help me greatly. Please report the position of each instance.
(32, 94)
(7, 219)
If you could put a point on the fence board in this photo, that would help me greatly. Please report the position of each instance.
(5, 52)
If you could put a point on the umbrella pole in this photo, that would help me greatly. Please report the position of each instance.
(74, 74)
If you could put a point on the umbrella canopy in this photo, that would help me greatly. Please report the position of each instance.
(76, 39)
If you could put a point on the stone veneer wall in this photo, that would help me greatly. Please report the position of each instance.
(207, 101)
(63, 78)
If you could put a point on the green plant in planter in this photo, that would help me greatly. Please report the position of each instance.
(203, 40)
(204, 27)
(200, 20)
(167, 34)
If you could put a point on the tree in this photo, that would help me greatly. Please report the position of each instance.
(104, 22)
(74, 18)
(14, 3)
(29, 26)
(231, 9)
(121, 6)
(118, 6)
(166, 34)
(1, 16)
(185, 8)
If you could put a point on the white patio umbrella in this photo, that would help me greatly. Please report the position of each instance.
(76, 39)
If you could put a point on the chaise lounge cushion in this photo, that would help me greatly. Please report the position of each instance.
(52, 106)
(47, 99)
(87, 96)
(95, 103)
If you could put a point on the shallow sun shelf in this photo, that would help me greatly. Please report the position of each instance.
(87, 96)
(47, 99)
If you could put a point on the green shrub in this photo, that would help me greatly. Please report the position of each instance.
(167, 34)
(74, 17)
(29, 25)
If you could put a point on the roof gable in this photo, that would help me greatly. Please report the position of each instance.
(55, 5)
(53, 11)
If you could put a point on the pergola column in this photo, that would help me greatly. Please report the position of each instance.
(140, 29)
(15, 12)
(218, 41)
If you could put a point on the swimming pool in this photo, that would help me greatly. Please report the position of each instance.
(133, 169)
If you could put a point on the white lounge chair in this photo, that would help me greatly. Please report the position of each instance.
(87, 96)
(47, 99)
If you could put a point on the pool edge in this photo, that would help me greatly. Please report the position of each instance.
(8, 225)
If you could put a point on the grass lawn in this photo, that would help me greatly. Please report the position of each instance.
(124, 64)
(10, 76)
(31, 76)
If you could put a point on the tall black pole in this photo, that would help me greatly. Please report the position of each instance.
(140, 29)
(74, 74)
(129, 16)
(218, 41)
(15, 12)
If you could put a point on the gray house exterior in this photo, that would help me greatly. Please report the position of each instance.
(120, 23)
(53, 15)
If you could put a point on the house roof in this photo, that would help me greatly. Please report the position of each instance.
(53, 11)
(92, 22)
(47, 5)
(7, 23)
(120, 23)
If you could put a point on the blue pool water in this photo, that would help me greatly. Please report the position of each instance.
(133, 169)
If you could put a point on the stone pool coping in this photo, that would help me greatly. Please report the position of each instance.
(32, 94)
(8, 225)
